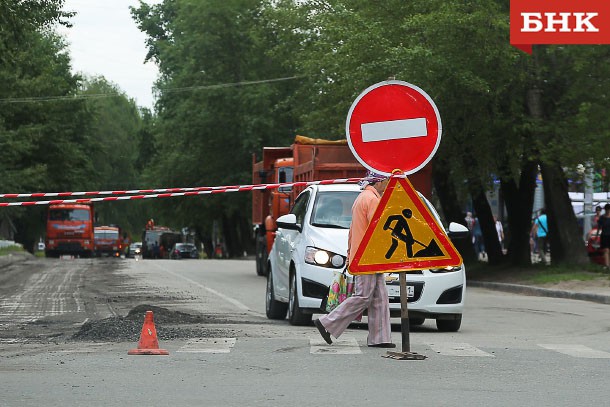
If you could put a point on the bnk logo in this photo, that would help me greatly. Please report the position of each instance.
(559, 22)
(562, 22)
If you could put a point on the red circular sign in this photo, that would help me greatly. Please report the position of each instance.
(393, 125)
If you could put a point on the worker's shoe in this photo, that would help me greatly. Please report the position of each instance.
(323, 331)
(383, 345)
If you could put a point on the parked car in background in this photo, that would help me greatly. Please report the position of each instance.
(311, 243)
(184, 251)
(135, 249)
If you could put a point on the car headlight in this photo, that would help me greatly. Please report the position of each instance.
(446, 269)
(323, 258)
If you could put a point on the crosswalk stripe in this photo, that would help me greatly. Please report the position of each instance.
(208, 345)
(578, 351)
(458, 349)
(344, 346)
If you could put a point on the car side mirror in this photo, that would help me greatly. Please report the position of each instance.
(288, 221)
(457, 231)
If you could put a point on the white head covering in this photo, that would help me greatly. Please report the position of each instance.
(371, 178)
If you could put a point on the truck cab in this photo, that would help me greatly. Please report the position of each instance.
(108, 241)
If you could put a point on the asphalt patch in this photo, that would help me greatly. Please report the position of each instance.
(169, 325)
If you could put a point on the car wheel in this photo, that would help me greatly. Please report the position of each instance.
(449, 325)
(273, 308)
(295, 314)
(261, 255)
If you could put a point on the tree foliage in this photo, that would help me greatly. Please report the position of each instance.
(458, 52)
(210, 119)
(52, 139)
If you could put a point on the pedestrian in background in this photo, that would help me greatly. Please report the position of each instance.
(479, 244)
(603, 231)
(540, 230)
(370, 291)
(469, 221)
(500, 231)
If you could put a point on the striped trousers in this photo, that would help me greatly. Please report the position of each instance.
(370, 292)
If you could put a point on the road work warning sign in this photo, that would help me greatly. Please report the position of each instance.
(403, 236)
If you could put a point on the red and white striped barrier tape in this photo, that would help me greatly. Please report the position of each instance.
(158, 193)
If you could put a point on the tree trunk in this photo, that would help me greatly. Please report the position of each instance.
(565, 239)
(452, 211)
(237, 234)
(519, 202)
(447, 195)
(488, 227)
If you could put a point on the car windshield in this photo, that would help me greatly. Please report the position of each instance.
(185, 246)
(333, 209)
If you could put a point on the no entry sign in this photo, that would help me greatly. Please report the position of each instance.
(393, 125)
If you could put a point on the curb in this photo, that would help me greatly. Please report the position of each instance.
(541, 292)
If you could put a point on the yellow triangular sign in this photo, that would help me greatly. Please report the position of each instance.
(403, 235)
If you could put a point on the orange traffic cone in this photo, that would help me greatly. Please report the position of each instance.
(148, 345)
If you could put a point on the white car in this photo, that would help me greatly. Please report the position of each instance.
(311, 243)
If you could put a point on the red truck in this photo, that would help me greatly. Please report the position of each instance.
(108, 241)
(69, 230)
(306, 160)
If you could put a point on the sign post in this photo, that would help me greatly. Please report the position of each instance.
(394, 128)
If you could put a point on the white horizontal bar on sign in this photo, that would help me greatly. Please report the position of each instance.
(393, 130)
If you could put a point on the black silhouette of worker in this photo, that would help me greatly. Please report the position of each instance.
(402, 232)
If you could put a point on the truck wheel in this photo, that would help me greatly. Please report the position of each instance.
(273, 308)
(295, 314)
(261, 255)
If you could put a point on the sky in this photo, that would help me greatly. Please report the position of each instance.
(104, 40)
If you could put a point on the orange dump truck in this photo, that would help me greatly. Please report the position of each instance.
(306, 160)
(108, 241)
(69, 230)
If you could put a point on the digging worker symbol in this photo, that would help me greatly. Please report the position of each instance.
(401, 231)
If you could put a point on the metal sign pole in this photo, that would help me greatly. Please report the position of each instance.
(404, 313)
(406, 353)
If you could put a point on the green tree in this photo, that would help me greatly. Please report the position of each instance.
(210, 119)
(486, 92)
(42, 129)
(115, 134)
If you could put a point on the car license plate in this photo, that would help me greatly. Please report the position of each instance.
(394, 291)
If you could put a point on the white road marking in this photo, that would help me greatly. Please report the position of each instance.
(208, 345)
(578, 351)
(458, 349)
(231, 300)
(393, 130)
(346, 346)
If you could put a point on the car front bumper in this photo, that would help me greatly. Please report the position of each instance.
(434, 294)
